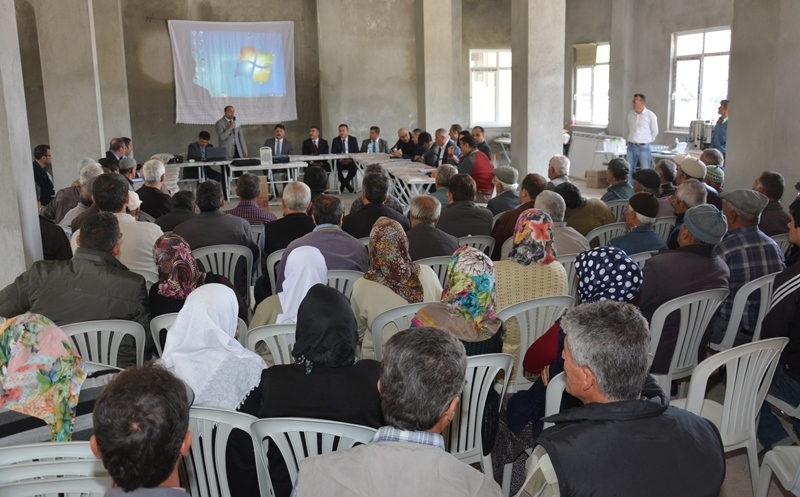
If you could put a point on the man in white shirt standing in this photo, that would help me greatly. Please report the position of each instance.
(642, 132)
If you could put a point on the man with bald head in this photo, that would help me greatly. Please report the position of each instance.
(405, 146)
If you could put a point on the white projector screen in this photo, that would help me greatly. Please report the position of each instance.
(249, 65)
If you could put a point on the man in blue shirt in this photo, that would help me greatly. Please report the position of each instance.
(719, 136)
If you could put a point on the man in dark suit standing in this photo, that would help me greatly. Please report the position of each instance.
(375, 144)
(116, 149)
(316, 146)
(42, 159)
(345, 144)
(281, 147)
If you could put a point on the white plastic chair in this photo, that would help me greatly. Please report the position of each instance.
(272, 262)
(605, 233)
(257, 230)
(749, 369)
(535, 317)
(484, 243)
(158, 323)
(696, 311)
(45, 451)
(641, 258)
(664, 226)
(762, 285)
(783, 241)
(463, 435)
(279, 339)
(568, 261)
(222, 260)
(95, 367)
(204, 470)
(439, 265)
(84, 487)
(784, 461)
(49, 470)
(299, 438)
(400, 316)
(150, 277)
(343, 280)
(618, 208)
(495, 218)
(99, 341)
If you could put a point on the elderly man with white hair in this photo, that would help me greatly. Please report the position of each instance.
(690, 193)
(505, 183)
(424, 238)
(557, 171)
(67, 198)
(568, 240)
(154, 201)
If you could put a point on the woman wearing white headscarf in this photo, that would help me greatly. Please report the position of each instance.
(305, 267)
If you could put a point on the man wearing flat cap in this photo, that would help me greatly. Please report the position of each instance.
(699, 269)
(505, 183)
(639, 218)
(749, 254)
(617, 176)
(691, 168)
(649, 181)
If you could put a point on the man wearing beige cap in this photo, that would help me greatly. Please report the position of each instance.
(639, 218)
(749, 254)
(703, 228)
(505, 183)
(691, 168)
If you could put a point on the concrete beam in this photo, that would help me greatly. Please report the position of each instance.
(623, 70)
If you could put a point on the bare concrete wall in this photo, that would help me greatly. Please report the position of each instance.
(31, 72)
(150, 74)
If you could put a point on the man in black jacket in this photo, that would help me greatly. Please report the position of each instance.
(359, 224)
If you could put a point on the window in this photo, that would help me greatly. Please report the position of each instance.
(699, 75)
(490, 87)
(591, 83)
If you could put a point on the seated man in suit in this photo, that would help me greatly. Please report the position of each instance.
(359, 224)
(116, 149)
(424, 238)
(462, 217)
(437, 154)
(316, 146)
(155, 202)
(280, 145)
(141, 431)
(197, 152)
(405, 147)
(345, 144)
(44, 184)
(375, 144)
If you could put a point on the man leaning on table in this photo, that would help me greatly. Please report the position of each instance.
(642, 132)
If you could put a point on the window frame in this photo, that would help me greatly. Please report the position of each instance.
(496, 69)
(592, 95)
(701, 59)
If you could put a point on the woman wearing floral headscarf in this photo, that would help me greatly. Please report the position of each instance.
(392, 280)
(468, 303)
(531, 272)
(179, 275)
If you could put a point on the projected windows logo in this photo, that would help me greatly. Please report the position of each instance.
(254, 64)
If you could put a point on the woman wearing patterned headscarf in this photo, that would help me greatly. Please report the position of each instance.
(392, 280)
(468, 303)
(327, 381)
(531, 271)
(179, 275)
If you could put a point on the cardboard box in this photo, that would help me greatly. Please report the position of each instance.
(596, 178)
(263, 195)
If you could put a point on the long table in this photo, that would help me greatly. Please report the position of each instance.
(409, 178)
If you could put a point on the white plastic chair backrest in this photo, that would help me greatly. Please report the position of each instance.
(279, 339)
(783, 241)
(568, 261)
(95, 367)
(364, 241)
(163, 157)
(146, 218)
(150, 277)
(484, 243)
(617, 207)
(748, 374)
(555, 391)
(696, 311)
(272, 262)
(606, 232)
(299, 438)
(343, 280)
(241, 330)
(45, 451)
(763, 285)
(462, 437)
(158, 323)
(83, 487)
(439, 265)
(664, 226)
(99, 341)
(400, 316)
(495, 218)
(204, 469)
(84, 468)
(265, 153)
(535, 317)
(222, 259)
(257, 230)
(641, 258)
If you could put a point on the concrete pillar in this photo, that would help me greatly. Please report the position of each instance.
(20, 239)
(439, 63)
(623, 70)
(537, 82)
(763, 80)
(78, 80)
